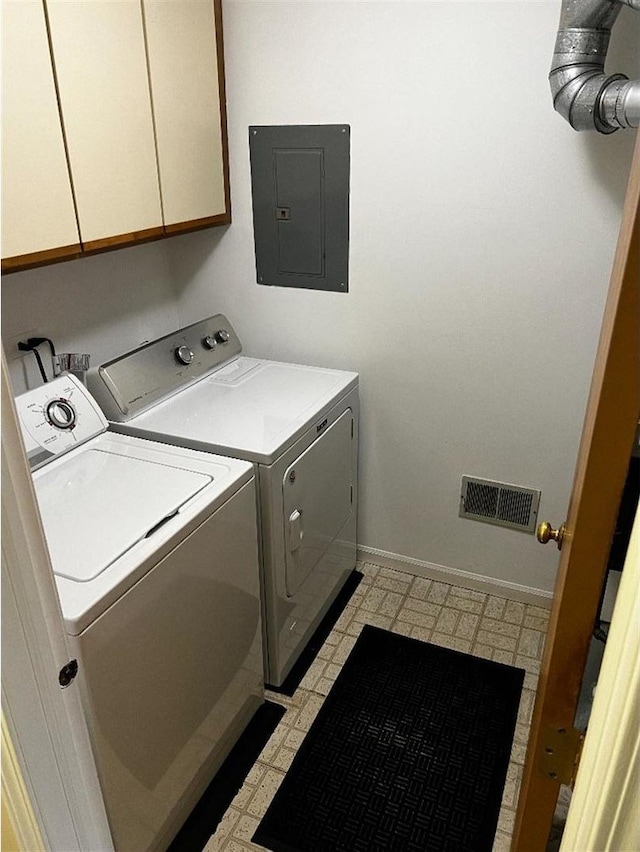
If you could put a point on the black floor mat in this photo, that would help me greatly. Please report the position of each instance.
(215, 800)
(409, 752)
(299, 670)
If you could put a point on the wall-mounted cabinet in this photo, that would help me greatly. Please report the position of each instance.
(38, 216)
(132, 95)
(187, 109)
(100, 64)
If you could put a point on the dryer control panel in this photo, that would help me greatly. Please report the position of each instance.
(139, 379)
(56, 418)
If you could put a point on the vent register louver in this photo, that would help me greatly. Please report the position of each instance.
(499, 503)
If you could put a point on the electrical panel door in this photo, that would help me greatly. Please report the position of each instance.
(300, 187)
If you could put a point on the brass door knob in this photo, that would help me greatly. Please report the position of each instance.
(546, 532)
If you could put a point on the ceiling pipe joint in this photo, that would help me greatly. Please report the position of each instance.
(582, 93)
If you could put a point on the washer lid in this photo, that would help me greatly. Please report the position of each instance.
(98, 504)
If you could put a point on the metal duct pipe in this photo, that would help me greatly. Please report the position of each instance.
(587, 97)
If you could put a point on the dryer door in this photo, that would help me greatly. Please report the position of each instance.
(317, 498)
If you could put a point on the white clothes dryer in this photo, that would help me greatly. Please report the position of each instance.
(155, 558)
(297, 424)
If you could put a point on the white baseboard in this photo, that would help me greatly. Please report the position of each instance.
(456, 577)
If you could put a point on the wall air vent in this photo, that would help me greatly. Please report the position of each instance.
(498, 503)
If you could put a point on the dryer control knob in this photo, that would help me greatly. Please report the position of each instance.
(209, 342)
(184, 355)
(222, 336)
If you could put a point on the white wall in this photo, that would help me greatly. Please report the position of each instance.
(482, 234)
(102, 305)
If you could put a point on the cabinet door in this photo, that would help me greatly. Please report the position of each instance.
(187, 87)
(38, 217)
(99, 58)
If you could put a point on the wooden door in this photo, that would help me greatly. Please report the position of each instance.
(607, 437)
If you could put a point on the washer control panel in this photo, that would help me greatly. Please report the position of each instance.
(57, 417)
(137, 380)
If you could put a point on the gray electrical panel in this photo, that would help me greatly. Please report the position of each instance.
(300, 187)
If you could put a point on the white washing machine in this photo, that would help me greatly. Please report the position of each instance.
(297, 424)
(156, 565)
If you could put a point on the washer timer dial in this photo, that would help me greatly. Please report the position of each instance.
(61, 414)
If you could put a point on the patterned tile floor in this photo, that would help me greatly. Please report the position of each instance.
(469, 621)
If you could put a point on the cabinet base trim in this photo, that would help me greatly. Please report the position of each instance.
(40, 258)
(122, 240)
(72, 252)
(198, 224)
